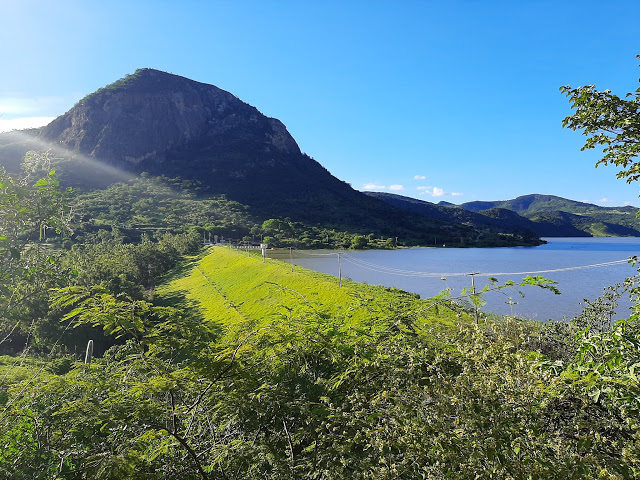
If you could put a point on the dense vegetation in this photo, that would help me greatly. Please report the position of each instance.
(151, 204)
(157, 204)
(269, 373)
(232, 368)
(557, 216)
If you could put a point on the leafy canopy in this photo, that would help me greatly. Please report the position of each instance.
(610, 121)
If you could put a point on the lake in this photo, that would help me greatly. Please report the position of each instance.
(428, 271)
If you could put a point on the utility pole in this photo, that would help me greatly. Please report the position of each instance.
(340, 268)
(473, 289)
(291, 258)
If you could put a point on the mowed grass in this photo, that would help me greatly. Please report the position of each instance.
(235, 290)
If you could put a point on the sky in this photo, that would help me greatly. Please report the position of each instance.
(439, 100)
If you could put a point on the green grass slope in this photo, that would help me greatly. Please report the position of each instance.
(237, 291)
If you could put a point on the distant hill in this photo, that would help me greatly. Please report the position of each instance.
(499, 219)
(529, 204)
(169, 126)
(567, 214)
(545, 215)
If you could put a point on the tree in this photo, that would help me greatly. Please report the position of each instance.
(359, 242)
(609, 121)
(28, 208)
(274, 226)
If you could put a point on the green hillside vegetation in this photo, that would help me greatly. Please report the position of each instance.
(506, 225)
(557, 216)
(175, 204)
(148, 203)
(241, 292)
(532, 215)
(268, 372)
(534, 203)
(221, 366)
(158, 204)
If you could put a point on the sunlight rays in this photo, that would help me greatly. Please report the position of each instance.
(66, 160)
(77, 160)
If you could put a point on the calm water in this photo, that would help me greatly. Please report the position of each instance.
(394, 267)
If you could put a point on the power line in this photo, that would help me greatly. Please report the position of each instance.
(595, 265)
(412, 273)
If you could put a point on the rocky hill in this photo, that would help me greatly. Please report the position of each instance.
(169, 125)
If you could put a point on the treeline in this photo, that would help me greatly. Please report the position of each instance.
(150, 204)
(128, 270)
(153, 204)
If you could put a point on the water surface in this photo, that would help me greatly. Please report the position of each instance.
(407, 269)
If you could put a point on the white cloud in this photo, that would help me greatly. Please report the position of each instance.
(373, 186)
(23, 122)
(437, 192)
(605, 200)
(419, 177)
(628, 204)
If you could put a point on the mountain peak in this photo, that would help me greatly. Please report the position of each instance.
(150, 80)
(163, 123)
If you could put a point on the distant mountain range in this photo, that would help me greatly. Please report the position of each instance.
(545, 215)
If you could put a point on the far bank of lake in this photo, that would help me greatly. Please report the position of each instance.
(428, 271)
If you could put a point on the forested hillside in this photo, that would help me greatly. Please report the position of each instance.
(542, 215)
(556, 216)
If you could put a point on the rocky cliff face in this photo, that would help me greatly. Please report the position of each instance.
(146, 118)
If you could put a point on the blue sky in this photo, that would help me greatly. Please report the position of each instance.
(448, 100)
